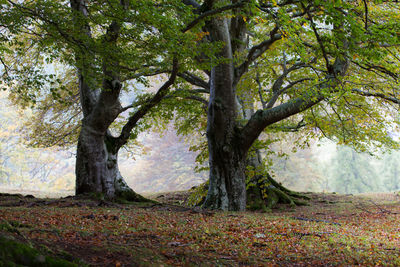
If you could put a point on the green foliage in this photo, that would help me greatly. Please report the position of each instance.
(53, 48)
(41, 47)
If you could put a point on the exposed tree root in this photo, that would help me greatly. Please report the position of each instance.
(263, 193)
(131, 196)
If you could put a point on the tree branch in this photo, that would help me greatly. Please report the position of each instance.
(190, 97)
(157, 98)
(255, 52)
(194, 79)
(379, 95)
(275, 96)
(319, 40)
(290, 128)
(263, 118)
(212, 12)
(143, 74)
(366, 14)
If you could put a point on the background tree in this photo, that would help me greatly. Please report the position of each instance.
(353, 173)
(391, 171)
(27, 169)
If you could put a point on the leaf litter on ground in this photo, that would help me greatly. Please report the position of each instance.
(333, 230)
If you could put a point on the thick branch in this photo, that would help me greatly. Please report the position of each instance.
(145, 108)
(263, 118)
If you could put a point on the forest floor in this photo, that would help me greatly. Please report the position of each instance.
(334, 230)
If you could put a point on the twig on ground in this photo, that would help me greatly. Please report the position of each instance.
(383, 210)
(315, 220)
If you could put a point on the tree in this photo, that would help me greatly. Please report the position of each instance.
(107, 44)
(333, 62)
(21, 166)
(352, 173)
(391, 171)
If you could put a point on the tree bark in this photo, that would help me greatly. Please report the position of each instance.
(227, 189)
(97, 168)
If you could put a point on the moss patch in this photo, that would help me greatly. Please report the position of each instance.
(13, 253)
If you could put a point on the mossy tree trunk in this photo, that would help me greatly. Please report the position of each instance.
(263, 192)
(99, 88)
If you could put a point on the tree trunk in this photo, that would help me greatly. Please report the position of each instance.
(91, 165)
(97, 168)
(227, 188)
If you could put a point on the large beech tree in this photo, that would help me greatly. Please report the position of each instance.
(108, 45)
(333, 65)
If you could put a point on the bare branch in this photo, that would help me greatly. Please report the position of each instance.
(277, 86)
(143, 74)
(290, 128)
(366, 14)
(190, 97)
(376, 69)
(6, 69)
(276, 95)
(263, 103)
(379, 95)
(319, 40)
(126, 108)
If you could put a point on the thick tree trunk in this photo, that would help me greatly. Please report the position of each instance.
(227, 188)
(91, 165)
(96, 162)
(97, 168)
